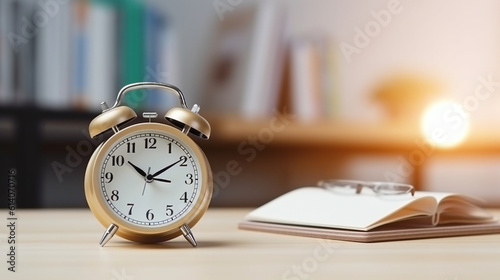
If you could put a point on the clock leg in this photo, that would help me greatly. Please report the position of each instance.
(186, 231)
(110, 231)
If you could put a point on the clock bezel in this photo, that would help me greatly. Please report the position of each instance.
(136, 232)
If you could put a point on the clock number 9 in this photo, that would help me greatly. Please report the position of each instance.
(109, 177)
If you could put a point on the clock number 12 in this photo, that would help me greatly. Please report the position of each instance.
(150, 143)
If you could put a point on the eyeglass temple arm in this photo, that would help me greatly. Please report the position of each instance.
(359, 187)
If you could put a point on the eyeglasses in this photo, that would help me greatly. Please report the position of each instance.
(379, 188)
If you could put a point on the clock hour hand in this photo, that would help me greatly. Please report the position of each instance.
(163, 170)
(140, 171)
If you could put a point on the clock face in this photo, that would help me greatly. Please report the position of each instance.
(150, 177)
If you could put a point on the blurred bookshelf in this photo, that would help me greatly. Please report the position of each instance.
(58, 61)
(52, 82)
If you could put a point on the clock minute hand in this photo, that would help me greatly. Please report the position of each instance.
(140, 171)
(163, 170)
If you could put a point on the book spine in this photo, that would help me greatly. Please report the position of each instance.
(24, 58)
(331, 78)
(161, 58)
(265, 69)
(132, 51)
(6, 52)
(79, 81)
(305, 80)
(53, 61)
(100, 47)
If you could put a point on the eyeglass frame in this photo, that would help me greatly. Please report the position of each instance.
(377, 187)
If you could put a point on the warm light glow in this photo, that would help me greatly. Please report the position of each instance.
(445, 124)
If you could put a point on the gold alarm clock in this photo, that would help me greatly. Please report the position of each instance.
(149, 182)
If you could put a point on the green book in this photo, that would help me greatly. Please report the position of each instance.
(132, 52)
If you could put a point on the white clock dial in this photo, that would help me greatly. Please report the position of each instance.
(150, 178)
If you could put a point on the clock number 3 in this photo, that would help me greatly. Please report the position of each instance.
(189, 179)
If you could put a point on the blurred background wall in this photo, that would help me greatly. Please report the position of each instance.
(296, 91)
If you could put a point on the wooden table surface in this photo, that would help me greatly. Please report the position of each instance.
(62, 244)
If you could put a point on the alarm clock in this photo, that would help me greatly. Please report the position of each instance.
(149, 182)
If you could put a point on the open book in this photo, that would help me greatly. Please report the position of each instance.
(317, 212)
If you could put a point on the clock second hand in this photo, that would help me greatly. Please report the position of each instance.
(145, 182)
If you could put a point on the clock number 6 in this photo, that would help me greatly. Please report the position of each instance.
(150, 215)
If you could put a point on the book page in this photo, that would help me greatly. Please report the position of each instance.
(314, 206)
(458, 208)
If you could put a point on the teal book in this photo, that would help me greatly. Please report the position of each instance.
(132, 49)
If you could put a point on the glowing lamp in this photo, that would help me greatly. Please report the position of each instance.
(445, 124)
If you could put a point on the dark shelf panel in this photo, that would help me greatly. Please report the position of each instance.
(24, 141)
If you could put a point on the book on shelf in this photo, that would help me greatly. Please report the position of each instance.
(53, 60)
(161, 57)
(314, 77)
(77, 54)
(248, 51)
(16, 54)
(322, 213)
(6, 52)
(306, 79)
(98, 46)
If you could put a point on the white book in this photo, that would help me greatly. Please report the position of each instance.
(264, 76)
(162, 63)
(318, 207)
(246, 71)
(24, 85)
(101, 56)
(169, 66)
(306, 80)
(53, 61)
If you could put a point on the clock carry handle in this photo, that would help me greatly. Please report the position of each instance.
(188, 121)
(149, 85)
